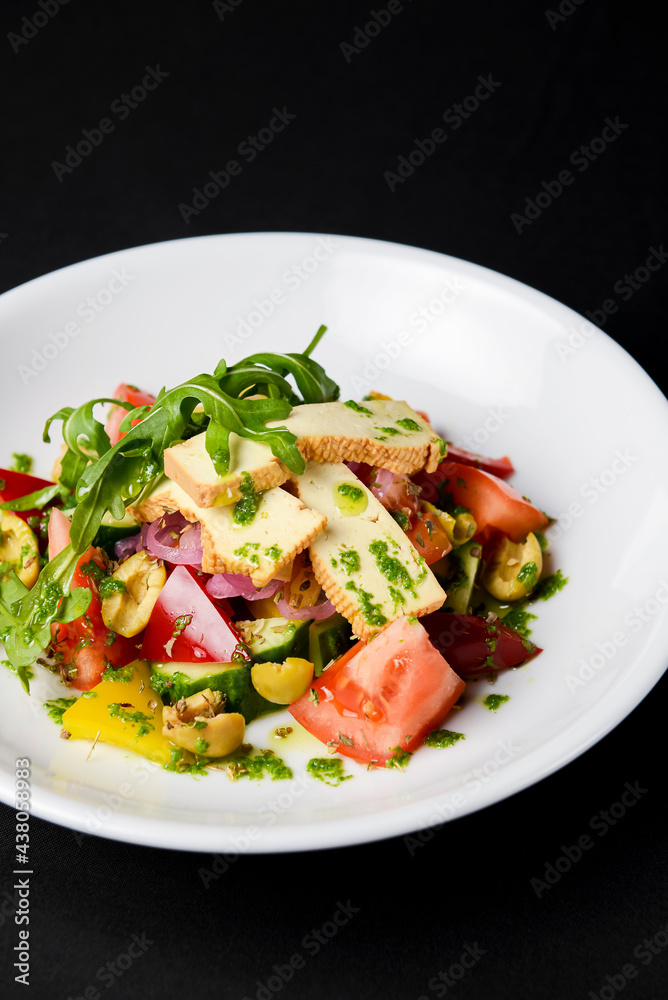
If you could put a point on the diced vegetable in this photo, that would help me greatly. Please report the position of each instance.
(501, 467)
(274, 639)
(139, 581)
(233, 680)
(186, 625)
(475, 647)
(124, 710)
(495, 506)
(328, 640)
(201, 725)
(513, 569)
(463, 565)
(383, 695)
(282, 683)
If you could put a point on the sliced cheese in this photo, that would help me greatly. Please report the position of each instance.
(261, 549)
(365, 563)
(190, 466)
(382, 432)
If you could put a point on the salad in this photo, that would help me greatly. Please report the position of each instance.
(248, 542)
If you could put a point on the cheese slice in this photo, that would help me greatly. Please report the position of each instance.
(190, 466)
(382, 432)
(282, 527)
(365, 563)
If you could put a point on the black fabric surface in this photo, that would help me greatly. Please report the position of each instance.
(555, 77)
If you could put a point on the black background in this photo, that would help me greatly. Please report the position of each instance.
(227, 70)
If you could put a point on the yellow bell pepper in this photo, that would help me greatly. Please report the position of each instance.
(127, 713)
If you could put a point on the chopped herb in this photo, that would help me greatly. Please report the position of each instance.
(392, 569)
(494, 701)
(89, 694)
(391, 431)
(442, 447)
(314, 696)
(181, 623)
(352, 405)
(273, 553)
(254, 768)
(402, 519)
(408, 424)
(442, 738)
(248, 551)
(350, 561)
(201, 745)
(528, 574)
(550, 586)
(108, 585)
(372, 613)
(92, 570)
(347, 740)
(541, 539)
(282, 732)
(246, 508)
(111, 638)
(399, 758)
(57, 708)
(327, 769)
(21, 463)
(518, 620)
(143, 722)
(350, 491)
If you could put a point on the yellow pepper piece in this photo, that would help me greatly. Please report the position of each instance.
(18, 547)
(264, 608)
(100, 711)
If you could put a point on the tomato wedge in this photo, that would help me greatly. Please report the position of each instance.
(495, 505)
(475, 647)
(128, 394)
(85, 647)
(381, 695)
(501, 467)
(429, 538)
(187, 626)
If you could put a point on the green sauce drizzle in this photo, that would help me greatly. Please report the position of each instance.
(350, 499)
(393, 570)
(352, 405)
(57, 708)
(327, 769)
(442, 738)
(371, 613)
(246, 508)
(408, 424)
(350, 560)
(494, 701)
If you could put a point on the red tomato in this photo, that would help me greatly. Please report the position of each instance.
(82, 646)
(59, 532)
(495, 505)
(17, 484)
(501, 467)
(475, 647)
(129, 394)
(187, 626)
(384, 694)
(432, 543)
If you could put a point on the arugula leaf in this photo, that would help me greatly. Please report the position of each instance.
(312, 380)
(26, 616)
(85, 437)
(38, 498)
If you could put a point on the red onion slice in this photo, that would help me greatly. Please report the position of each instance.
(222, 585)
(125, 547)
(170, 529)
(381, 483)
(317, 612)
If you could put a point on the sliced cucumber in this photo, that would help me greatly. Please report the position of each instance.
(327, 640)
(272, 640)
(464, 563)
(179, 680)
(111, 531)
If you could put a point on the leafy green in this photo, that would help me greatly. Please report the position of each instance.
(36, 499)
(21, 462)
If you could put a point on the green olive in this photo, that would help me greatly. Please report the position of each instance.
(209, 737)
(128, 611)
(282, 683)
(514, 569)
(18, 548)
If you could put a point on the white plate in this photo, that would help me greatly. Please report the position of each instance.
(497, 365)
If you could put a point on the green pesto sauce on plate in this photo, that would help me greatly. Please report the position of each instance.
(350, 499)
(246, 508)
(327, 769)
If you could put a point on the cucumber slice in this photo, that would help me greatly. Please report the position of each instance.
(464, 563)
(179, 680)
(328, 639)
(272, 640)
(111, 531)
